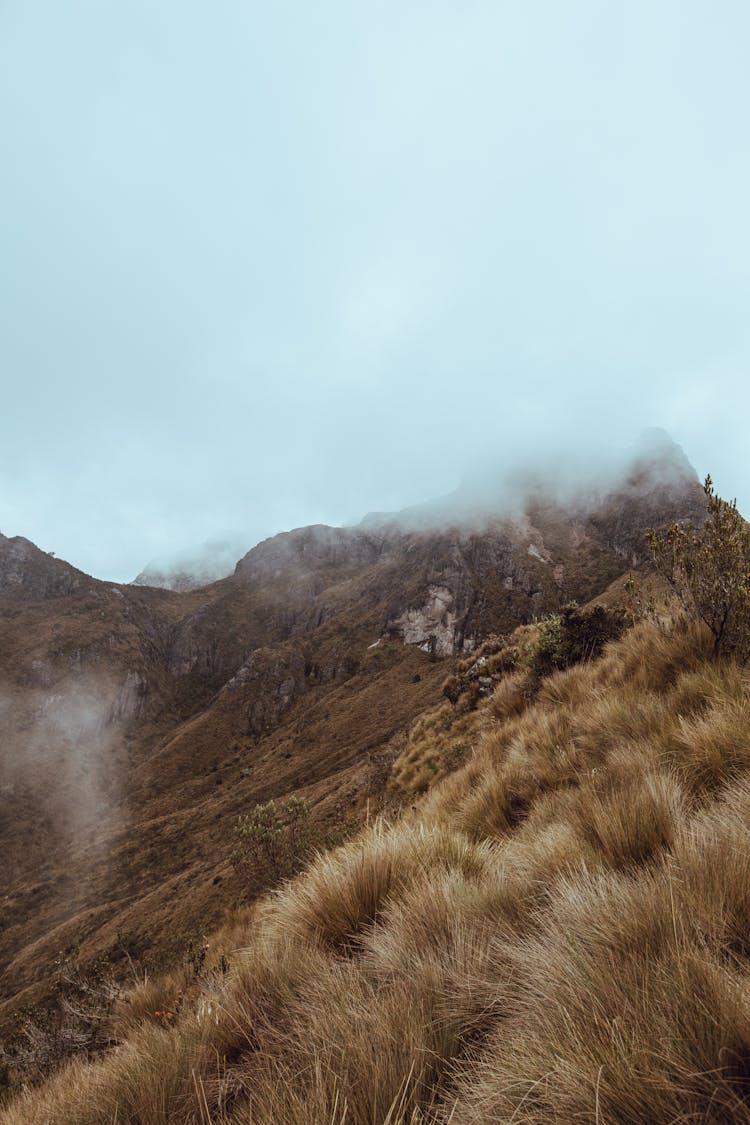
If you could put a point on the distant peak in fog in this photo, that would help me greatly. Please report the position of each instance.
(657, 453)
(192, 567)
(579, 476)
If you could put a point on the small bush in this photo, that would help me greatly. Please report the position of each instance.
(273, 842)
(574, 635)
(709, 570)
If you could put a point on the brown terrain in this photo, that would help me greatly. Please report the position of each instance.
(137, 723)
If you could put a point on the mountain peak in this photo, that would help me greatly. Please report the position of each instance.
(658, 457)
(30, 573)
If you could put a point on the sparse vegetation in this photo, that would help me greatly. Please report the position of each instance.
(495, 683)
(76, 1021)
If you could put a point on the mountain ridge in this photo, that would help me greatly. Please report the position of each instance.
(138, 722)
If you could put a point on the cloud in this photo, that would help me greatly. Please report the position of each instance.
(62, 756)
(271, 267)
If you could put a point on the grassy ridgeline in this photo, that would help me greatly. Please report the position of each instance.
(558, 932)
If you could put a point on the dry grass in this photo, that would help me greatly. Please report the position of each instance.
(633, 821)
(344, 891)
(558, 932)
(436, 744)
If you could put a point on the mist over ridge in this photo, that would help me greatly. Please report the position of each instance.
(138, 723)
(576, 479)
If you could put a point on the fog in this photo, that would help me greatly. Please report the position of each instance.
(579, 484)
(61, 757)
(195, 565)
(265, 266)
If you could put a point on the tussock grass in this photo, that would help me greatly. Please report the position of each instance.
(503, 798)
(712, 866)
(652, 658)
(558, 932)
(631, 822)
(345, 890)
(437, 743)
(712, 746)
(508, 698)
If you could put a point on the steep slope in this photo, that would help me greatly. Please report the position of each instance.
(556, 932)
(137, 723)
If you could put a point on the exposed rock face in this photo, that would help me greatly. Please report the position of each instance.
(270, 680)
(130, 698)
(436, 579)
(311, 550)
(191, 650)
(179, 578)
(443, 588)
(434, 625)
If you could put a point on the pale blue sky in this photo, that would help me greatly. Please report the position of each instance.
(269, 264)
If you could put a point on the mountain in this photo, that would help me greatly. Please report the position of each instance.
(28, 574)
(189, 569)
(138, 723)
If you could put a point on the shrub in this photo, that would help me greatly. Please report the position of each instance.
(574, 635)
(709, 570)
(273, 842)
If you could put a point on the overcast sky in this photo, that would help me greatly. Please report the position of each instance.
(271, 264)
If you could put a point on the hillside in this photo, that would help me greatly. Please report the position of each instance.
(556, 932)
(138, 723)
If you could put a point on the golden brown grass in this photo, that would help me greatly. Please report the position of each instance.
(436, 744)
(558, 932)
